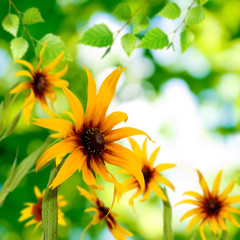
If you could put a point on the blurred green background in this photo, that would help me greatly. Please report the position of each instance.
(189, 104)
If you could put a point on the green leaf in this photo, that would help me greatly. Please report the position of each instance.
(224, 235)
(202, 2)
(50, 209)
(12, 125)
(167, 218)
(11, 23)
(123, 11)
(98, 36)
(186, 39)
(32, 16)
(18, 47)
(195, 16)
(20, 172)
(54, 47)
(129, 42)
(154, 39)
(140, 23)
(171, 11)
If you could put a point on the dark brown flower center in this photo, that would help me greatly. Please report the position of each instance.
(212, 206)
(93, 141)
(146, 174)
(37, 210)
(40, 83)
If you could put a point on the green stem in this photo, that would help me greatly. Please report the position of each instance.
(224, 235)
(167, 218)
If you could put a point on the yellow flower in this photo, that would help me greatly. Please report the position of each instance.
(152, 175)
(90, 140)
(35, 210)
(41, 84)
(102, 212)
(211, 207)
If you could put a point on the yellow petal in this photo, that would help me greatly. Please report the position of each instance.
(41, 56)
(144, 149)
(28, 106)
(53, 64)
(58, 74)
(88, 177)
(201, 229)
(164, 181)
(230, 209)
(153, 156)
(59, 83)
(57, 124)
(195, 195)
(105, 95)
(45, 107)
(112, 120)
(190, 201)
(126, 159)
(87, 195)
(91, 102)
(86, 228)
(31, 222)
(25, 214)
(216, 184)
(157, 190)
(230, 218)
(190, 213)
(135, 195)
(73, 162)
(213, 224)
(146, 195)
(93, 209)
(37, 192)
(227, 191)
(194, 221)
(233, 199)
(23, 73)
(135, 147)
(129, 184)
(221, 223)
(164, 166)
(124, 132)
(61, 220)
(21, 87)
(76, 107)
(26, 64)
(60, 148)
(203, 184)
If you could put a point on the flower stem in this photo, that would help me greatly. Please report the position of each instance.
(167, 218)
(224, 235)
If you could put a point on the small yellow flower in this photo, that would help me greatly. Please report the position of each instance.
(35, 210)
(102, 212)
(152, 175)
(90, 140)
(41, 84)
(211, 207)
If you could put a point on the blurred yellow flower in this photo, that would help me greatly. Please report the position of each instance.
(41, 84)
(34, 210)
(103, 212)
(90, 140)
(211, 207)
(152, 175)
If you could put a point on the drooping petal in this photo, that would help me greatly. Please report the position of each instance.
(216, 184)
(31, 222)
(45, 107)
(135, 195)
(129, 184)
(53, 64)
(164, 181)
(230, 218)
(157, 190)
(26, 64)
(164, 166)
(227, 191)
(191, 213)
(88, 177)
(153, 156)
(58, 74)
(24, 73)
(124, 132)
(76, 107)
(194, 221)
(28, 106)
(105, 95)
(213, 224)
(126, 159)
(92, 94)
(221, 223)
(201, 229)
(21, 87)
(112, 120)
(73, 162)
(230, 209)
(203, 184)
(60, 148)
(57, 124)
(146, 195)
